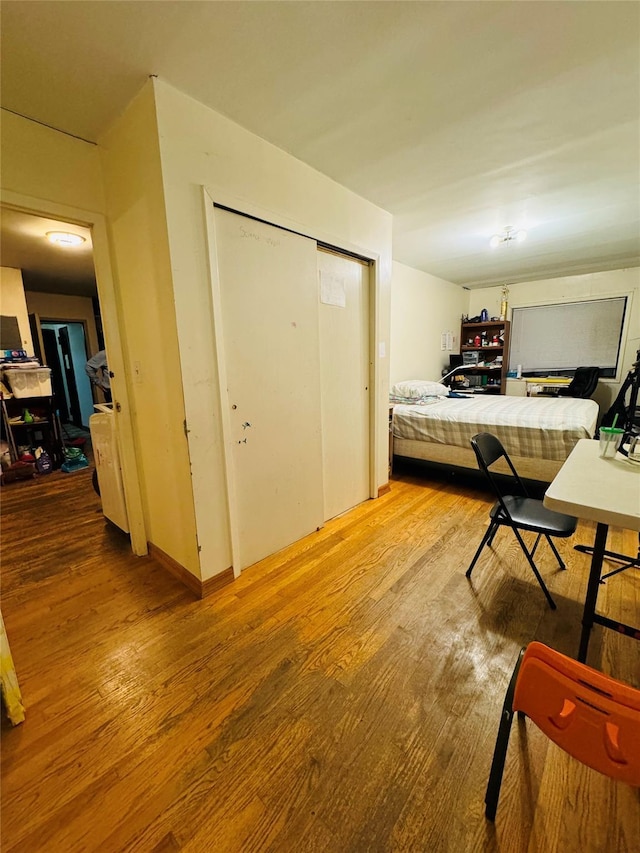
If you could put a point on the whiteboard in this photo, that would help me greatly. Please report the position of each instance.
(562, 337)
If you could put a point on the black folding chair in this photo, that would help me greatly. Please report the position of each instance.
(519, 512)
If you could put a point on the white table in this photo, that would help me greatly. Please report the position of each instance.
(606, 491)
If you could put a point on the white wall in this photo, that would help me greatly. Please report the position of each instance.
(200, 148)
(137, 218)
(572, 289)
(46, 164)
(159, 255)
(14, 304)
(422, 307)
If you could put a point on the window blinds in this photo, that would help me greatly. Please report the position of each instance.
(559, 338)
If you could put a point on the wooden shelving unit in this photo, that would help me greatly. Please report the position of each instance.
(42, 431)
(494, 379)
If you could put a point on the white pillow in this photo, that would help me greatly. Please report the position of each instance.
(416, 389)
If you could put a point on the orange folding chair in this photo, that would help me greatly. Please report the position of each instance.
(593, 717)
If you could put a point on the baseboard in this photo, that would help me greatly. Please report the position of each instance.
(215, 583)
(201, 589)
(383, 490)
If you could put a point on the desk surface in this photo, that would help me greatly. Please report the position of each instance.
(603, 490)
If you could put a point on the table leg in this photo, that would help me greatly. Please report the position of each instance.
(628, 561)
(592, 589)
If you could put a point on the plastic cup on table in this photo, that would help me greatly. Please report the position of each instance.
(610, 438)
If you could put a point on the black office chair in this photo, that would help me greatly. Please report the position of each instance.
(519, 512)
(583, 384)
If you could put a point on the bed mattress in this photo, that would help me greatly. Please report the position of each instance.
(542, 428)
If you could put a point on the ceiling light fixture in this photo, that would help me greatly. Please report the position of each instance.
(65, 238)
(508, 236)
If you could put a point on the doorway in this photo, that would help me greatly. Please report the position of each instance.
(47, 277)
(66, 353)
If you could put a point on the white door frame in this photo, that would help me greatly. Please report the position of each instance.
(211, 198)
(110, 313)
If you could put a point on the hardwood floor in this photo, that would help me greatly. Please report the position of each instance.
(342, 695)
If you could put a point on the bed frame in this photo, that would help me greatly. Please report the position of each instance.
(543, 470)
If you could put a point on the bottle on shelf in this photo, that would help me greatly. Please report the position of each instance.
(504, 304)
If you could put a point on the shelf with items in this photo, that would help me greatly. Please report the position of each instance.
(485, 381)
(489, 341)
(29, 423)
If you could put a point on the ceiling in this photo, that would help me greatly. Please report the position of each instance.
(46, 266)
(460, 118)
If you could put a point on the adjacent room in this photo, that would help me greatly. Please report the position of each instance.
(366, 276)
(48, 289)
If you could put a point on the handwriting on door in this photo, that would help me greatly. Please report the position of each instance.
(252, 235)
(245, 425)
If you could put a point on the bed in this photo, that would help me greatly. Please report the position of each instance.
(538, 433)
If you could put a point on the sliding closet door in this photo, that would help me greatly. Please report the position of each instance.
(344, 371)
(269, 307)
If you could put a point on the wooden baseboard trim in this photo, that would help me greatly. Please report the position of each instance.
(201, 589)
(176, 569)
(215, 583)
(383, 490)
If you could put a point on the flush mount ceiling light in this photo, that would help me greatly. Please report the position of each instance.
(508, 236)
(65, 238)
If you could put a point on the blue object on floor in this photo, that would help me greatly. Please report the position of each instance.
(74, 460)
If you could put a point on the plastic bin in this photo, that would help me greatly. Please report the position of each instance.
(29, 382)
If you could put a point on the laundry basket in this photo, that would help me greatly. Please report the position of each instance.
(29, 382)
